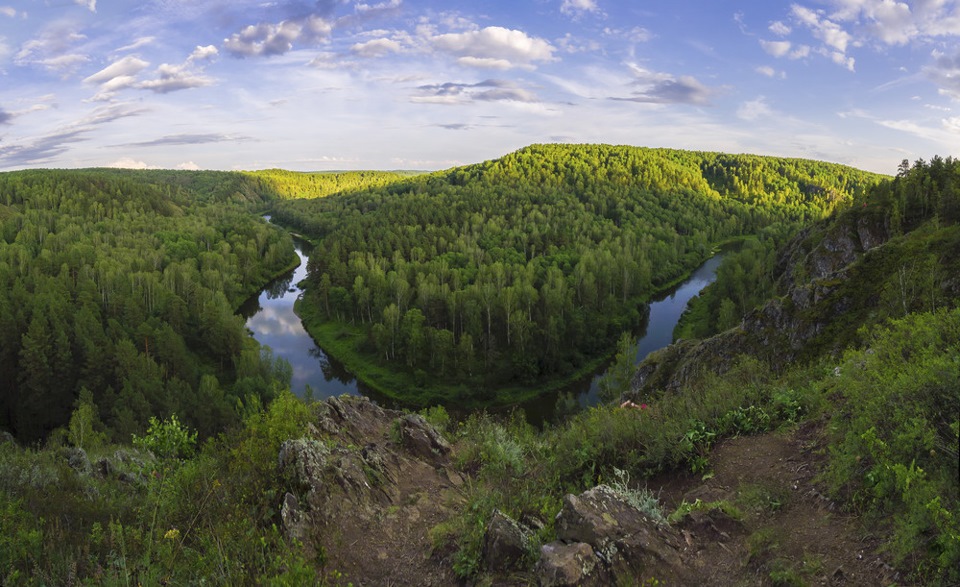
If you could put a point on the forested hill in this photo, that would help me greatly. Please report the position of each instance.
(118, 290)
(525, 267)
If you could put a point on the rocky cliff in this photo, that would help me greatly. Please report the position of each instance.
(832, 278)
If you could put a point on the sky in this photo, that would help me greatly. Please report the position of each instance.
(312, 85)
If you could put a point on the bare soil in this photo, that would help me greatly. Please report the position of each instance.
(790, 533)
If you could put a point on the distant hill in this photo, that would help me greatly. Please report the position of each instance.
(528, 267)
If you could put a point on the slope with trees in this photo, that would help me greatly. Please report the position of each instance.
(527, 268)
(123, 285)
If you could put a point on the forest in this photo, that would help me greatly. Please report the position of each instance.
(118, 289)
(524, 269)
(148, 424)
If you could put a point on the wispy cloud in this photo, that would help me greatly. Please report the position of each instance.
(945, 73)
(45, 148)
(579, 7)
(664, 88)
(491, 90)
(187, 139)
(376, 48)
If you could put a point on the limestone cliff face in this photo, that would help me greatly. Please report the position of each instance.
(810, 272)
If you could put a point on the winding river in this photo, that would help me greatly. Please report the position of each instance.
(271, 318)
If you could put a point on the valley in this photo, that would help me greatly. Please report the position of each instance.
(149, 438)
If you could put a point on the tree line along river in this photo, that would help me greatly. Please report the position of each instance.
(271, 318)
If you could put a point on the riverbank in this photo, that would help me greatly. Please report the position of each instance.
(345, 343)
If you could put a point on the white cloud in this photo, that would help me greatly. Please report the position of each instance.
(136, 44)
(189, 166)
(8, 11)
(201, 53)
(895, 22)
(637, 34)
(492, 90)
(128, 66)
(754, 109)
(945, 73)
(376, 48)
(570, 44)
(776, 48)
(831, 33)
(130, 163)
(578, 6)
(172, 78)
(495, 47)
(266, 39)
(841, 59)
(770, 72)
(778, 28)
(54, 49)
(362, 7)
(90, 5)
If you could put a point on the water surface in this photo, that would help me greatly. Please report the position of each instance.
(271, 318)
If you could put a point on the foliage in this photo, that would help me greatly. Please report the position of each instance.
(896, 438)
(205, 518)
(525, 268)
(641, 498)
(168, 439)
(124, 283)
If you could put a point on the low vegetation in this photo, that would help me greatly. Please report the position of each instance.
(149, 425)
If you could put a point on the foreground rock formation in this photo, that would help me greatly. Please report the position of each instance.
(371, 483)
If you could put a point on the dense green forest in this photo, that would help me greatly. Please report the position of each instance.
(120, 287)
(166, 507)
(884, 381)
(526, 268)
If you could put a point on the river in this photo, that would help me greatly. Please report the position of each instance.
(271, 318)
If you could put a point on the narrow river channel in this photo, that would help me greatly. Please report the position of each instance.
(271, 318)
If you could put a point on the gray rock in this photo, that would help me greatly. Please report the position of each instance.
(305, 459)
(77, 459)
(421, 439)
(294, 522)
(566, 565)
(505, 543)
(103, 468)
(6, 437)
(623, 538)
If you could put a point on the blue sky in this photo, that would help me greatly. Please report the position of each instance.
(408, 84)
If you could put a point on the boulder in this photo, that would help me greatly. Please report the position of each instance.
(421, 439)
(567, 565)
(505, 543)
(294, 522)
(625, 540)
(77, 459)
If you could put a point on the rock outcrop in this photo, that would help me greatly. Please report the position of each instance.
(366, 485)
(810, 273)
(602, 538)
(506, 544)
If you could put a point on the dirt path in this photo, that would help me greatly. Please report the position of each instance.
(790, 534)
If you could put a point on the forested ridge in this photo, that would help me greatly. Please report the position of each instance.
(875, 399)
(525, 268)
(119, 287)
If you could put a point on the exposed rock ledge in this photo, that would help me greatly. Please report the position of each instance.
(370, 483)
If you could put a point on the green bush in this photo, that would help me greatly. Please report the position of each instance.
(895, 450)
